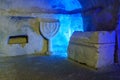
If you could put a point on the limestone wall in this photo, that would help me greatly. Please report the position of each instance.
(15, 26)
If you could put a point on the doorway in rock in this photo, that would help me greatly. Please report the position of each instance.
(68, 24)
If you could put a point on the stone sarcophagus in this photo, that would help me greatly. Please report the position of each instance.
(95, 49)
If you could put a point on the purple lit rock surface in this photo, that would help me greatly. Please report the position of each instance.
(118, 33)
(95, 49)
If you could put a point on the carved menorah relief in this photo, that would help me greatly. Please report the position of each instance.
(49, 28)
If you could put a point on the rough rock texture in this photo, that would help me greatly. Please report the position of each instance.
(100, 15)
(39, 4)
(48, 9)
(95, 49)
(97, 14)
(117, 51)
(15, 26)
(118, 34)
(100, 20)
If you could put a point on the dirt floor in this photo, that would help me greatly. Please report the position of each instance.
(52, 68)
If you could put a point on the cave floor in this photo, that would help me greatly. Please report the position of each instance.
(52, 68)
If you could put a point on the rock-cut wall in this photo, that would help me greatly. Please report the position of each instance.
(12, 36)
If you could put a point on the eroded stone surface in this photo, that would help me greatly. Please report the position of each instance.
(14, 26)
(96, 49)
(93, 37)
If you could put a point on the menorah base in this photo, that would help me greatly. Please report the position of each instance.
(49, 53)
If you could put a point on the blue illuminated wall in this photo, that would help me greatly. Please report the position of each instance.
(69, 24)
(65, 4)
(118, 34)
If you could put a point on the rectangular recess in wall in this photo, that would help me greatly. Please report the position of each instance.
(18, 39)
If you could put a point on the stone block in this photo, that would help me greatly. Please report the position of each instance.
(92, 52)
